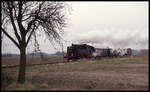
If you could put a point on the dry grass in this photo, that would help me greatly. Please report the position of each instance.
(126, 73)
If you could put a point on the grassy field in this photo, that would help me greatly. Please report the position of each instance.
(126, 73)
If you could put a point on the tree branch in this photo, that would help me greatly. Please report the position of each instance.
(10, 38)
(30, 24)
(13, 24)
(30, 35)
(14, 9)
(36, 15)
(19, 21)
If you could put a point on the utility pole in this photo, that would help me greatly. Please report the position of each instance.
(62, 47)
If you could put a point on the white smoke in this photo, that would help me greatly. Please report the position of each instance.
(115, 38)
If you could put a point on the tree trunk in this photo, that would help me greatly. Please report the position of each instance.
(22, 67)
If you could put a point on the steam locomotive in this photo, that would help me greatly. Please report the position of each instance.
(78, 51)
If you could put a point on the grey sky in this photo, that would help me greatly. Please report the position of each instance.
(101, 24)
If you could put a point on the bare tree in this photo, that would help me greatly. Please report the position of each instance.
(28, 18)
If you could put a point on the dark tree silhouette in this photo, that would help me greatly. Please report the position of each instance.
(27, 18)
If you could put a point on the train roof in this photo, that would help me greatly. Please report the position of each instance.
(81, 45)
(102, 48)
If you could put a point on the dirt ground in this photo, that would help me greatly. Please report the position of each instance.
(130, 73)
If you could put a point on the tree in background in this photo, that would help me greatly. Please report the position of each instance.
(27, 18)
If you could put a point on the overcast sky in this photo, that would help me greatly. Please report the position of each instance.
(101, 24)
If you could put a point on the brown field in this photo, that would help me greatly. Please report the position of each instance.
(32, 60)
(126, 73)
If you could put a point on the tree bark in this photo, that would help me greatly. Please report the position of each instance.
(22, 68)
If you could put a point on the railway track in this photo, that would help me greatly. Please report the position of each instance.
(13, 66)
